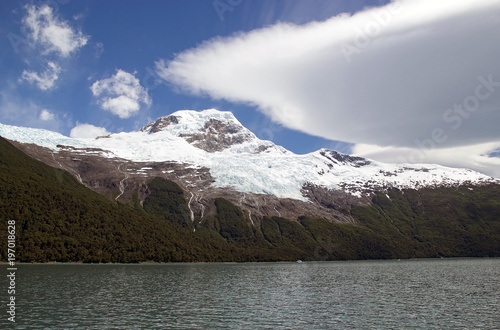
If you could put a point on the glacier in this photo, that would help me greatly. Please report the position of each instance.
(251, 165)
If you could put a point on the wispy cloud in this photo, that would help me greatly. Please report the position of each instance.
(87, 131)
(121, 94)
(51, 33)
(44, 80)
(52, 39)
(385, 76)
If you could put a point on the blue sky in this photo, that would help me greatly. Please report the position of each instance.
(131, 36)
(380, 80)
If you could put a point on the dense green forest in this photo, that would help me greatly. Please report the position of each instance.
(58, 219)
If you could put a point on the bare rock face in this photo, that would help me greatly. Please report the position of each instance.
(338, 203)
(118, 179)
(160, 124)
(217, 136)
(338, 158)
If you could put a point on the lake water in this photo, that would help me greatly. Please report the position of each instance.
(447, 293)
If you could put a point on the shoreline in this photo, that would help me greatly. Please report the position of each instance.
(246, 262)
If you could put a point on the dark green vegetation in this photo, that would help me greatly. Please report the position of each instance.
(58, 219)
(167, 202)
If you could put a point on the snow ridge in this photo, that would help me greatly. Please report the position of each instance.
(247, 164)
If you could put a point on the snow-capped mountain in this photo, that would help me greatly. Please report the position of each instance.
(211, 151)
(209, 130)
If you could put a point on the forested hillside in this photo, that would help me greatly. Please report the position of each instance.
(59, 219)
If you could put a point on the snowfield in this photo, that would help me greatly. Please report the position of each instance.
(254, 165)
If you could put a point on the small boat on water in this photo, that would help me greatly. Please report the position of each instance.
(299, 261)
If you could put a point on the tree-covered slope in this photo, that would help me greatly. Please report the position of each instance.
(462, 221)
(59, 219)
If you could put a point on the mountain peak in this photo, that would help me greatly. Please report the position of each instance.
(211, 130)
(189, 121)
(236, 159)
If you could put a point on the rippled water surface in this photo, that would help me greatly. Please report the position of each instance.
(452, 293)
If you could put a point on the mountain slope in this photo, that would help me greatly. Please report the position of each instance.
(210, 155)
(236, 159)
(59, 219)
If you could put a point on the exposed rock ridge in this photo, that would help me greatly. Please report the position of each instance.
(213, 136)
(336, 157)
(160, 124)
(217, 136)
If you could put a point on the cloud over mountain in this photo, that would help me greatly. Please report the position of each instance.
(87, 131)
(411, 74)
(121, 94)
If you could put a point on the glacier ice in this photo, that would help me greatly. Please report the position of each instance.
(253, 166)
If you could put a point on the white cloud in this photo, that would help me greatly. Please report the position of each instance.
(52, 38)
(476, 157)
(44, 80)
(46, 115)
(387, 76)
(121, 94)
(54, 35)
(87, 131)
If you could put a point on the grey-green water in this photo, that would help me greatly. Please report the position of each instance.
(455, 293)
